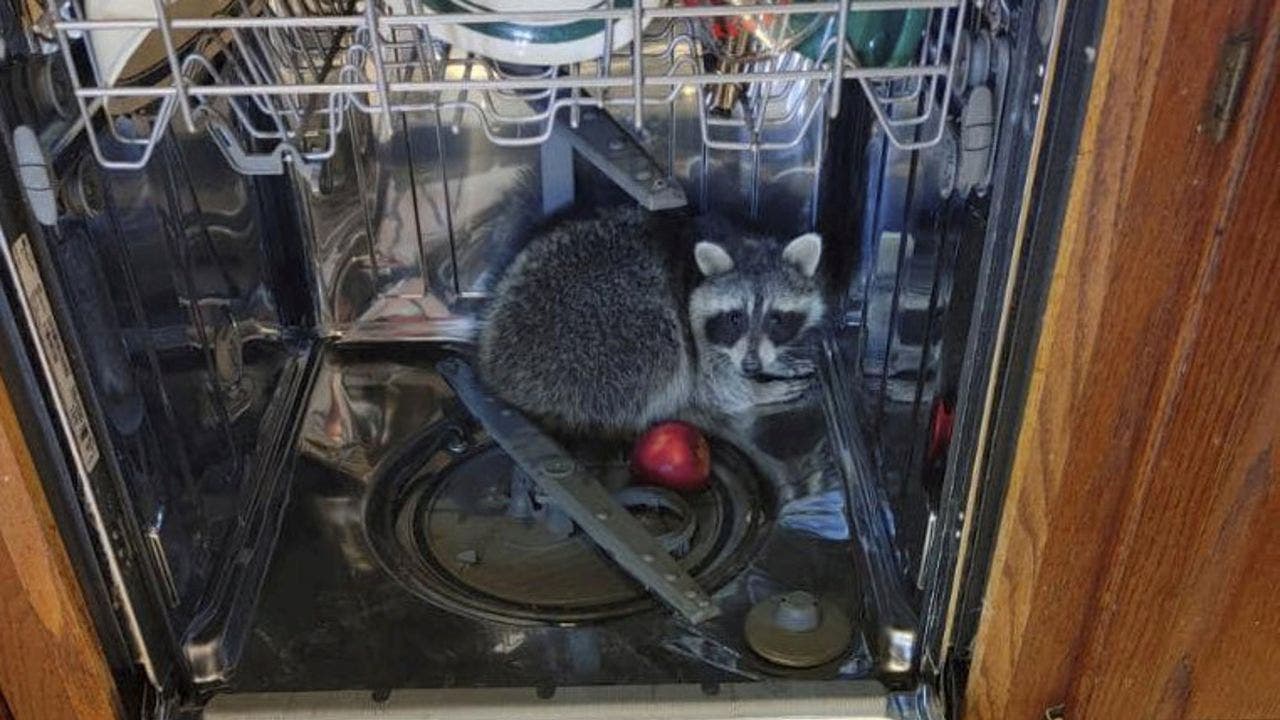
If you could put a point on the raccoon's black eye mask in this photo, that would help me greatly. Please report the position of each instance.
(782, 327)
(726, 328)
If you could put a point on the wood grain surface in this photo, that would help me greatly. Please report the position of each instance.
(1137, 570)
(51, 667)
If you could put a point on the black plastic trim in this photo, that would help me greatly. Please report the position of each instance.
(49, 455)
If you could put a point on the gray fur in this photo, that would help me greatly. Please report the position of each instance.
(593, 329)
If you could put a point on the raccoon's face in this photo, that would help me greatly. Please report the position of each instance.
(751, 314)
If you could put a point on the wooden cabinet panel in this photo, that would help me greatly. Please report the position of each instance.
(51, 667)
(1136, 572)
(1200, 526)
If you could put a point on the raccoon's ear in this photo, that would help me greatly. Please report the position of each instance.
(804, 253)
(711, 258)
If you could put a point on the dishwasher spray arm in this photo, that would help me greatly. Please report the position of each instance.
(574, 489)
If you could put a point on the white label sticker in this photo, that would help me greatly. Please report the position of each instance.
(55, 353)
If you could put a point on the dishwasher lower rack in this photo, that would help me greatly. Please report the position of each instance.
(276, 82)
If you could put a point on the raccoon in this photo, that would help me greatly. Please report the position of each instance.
(606, 322)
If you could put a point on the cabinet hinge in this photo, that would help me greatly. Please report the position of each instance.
(1232, 69)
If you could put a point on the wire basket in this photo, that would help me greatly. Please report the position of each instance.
(275, 81)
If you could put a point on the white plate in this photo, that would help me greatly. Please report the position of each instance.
(528, 43)
(122, 56)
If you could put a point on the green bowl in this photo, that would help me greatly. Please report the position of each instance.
(880, 38)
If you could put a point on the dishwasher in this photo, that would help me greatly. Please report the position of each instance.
(248, 245)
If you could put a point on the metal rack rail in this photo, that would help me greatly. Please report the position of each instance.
(274, 80)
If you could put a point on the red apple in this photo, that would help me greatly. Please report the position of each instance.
(673, 455)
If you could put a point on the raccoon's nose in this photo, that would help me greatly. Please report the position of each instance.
(751, 365)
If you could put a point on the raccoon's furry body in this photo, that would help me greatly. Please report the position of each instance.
(608, 321)
(585, 331)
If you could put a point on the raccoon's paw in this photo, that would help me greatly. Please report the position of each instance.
(801, 367)
(791, 365)
(776, 392)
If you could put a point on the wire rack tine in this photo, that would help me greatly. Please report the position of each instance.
(837, 71)
(175, 68)
(380, 70)
(637, 62)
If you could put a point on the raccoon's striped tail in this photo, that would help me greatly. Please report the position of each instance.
(508, 229)
(493, 239)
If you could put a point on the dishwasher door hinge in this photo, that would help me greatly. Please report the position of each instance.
(1232, 69)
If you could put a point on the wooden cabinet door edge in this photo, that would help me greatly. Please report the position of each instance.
(51, 665)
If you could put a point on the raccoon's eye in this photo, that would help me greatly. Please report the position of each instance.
(783, 326)
(727, 327)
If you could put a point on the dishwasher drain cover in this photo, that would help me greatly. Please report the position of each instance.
(464, 532)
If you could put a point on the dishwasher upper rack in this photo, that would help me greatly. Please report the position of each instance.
(273, 82)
